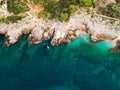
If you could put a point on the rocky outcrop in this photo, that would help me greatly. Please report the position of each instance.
(3, 9)
(116, 49)
(98, 37)
(60, 32)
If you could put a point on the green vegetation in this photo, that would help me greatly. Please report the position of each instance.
(11, 19)
(118, 1)
(73, 8)
(62, 9)
(112, 10)
(17, 6)
(37, 2)
(64, 16)
(14, 19)
(4, 20)
(44, 14)
(86, 3)
(58, 9)
(54, 10)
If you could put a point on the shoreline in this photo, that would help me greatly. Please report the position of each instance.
(60, 32)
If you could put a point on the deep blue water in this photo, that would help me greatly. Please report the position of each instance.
(79, 65)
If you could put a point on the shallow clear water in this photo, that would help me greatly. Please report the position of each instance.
(79, 65)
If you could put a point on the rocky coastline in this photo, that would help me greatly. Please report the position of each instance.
(61, 32)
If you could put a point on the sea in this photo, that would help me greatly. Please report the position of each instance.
(77, 65)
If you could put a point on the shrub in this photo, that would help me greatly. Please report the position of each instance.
(112, 10)
(64, 16)
(43, 14)
(118, 1)
(14, 19)
(86, 3)
(4, 20)
(57, 8)
(73, 8)
(16, 6)
(11, 19)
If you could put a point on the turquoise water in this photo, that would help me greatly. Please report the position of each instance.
(79, 65)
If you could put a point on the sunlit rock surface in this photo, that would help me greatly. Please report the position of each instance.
(60, 32)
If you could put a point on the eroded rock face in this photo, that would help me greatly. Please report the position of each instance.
(3, 9)
(116, 49)
(99, 37)
(60, 32)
